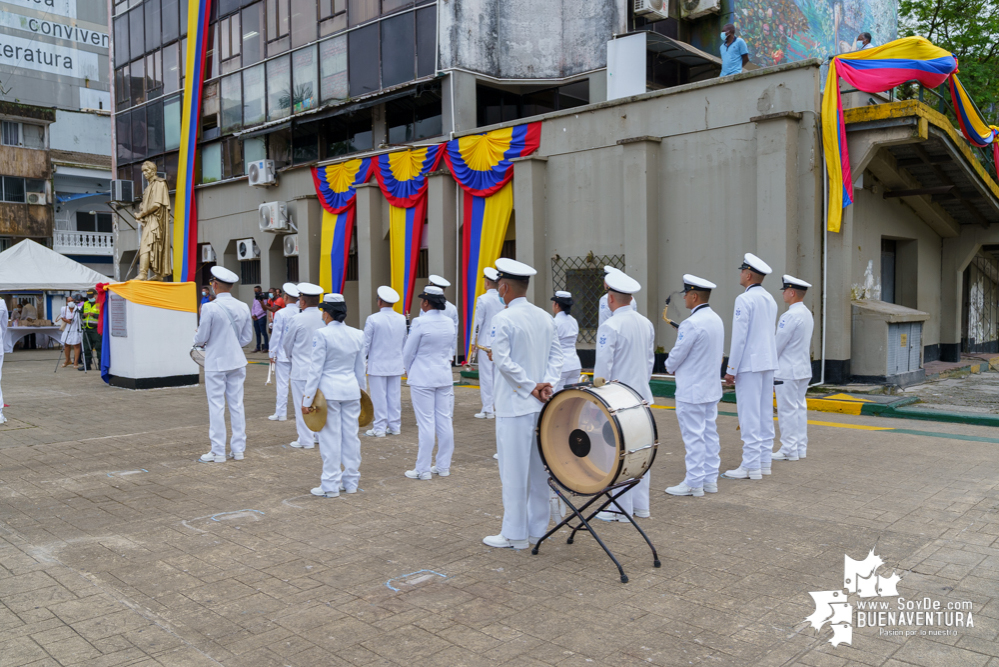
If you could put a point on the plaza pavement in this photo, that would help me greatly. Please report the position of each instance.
(118, 548)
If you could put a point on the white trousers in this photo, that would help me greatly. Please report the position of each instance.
(306, 436)
(434, 409)
(339, 445)
(524, 479)
(567, 377)
(792, 416)
(637, 498)
(486, 376)
(754, 396)
(385, 392)
(282, 373)
(1, 376)
(699, 430)
(226, 387)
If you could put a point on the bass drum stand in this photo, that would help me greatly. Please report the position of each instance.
(609, 496)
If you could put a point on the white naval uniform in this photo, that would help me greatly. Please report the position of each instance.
(384, 338)
(225, 368)
(526, 352)
(695, 361)
(486, 307)
(626, 352)
(427, 358)
(452, 312)
(604, 311)
(752, 360)
(337, 367)
(282, 363)
(297, 344)
(3, 337)
(794, 338)
(567, 330)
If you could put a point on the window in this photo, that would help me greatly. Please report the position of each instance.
(253, 37)
(232, 158)
(34, 185)
(154, 29)
(348, 133)
(171, 123)
(291, 265)
(277, 19)
(13, 189)
(395, 5)
(231, 36)
(227, 7)
(170, 167)
(94, 222)
(136, 31)
(232, 103)
(171, 24)
(398, 49)
(121, 39)
(333, 65)
(303, 22)
(33, 136)
(499, 106)
(426, 41)
(211, 163)
(413, 118)
(305, 143)
(362, 62)
(338, 22)
(574, 94)
(306, 84)
(212, 53)
(249, 271)
(121, 84)
(139, 133)
(154, 74)
(253, 151)
(154, 128)
(361, 11)
(278, 88)
(10, 133)
(135, 83)
(279, 147)
(123, 135)
(253, 95)
(171, 69)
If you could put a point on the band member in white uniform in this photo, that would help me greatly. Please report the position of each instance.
(752, 360)
(696, 363)
(449, 308)
(794, 339)
(427, 359)
(626, 353)
(224, 330)
(280, 359)
(486, 306)
(567, 330)
(604, 311)
(3, 336)
(337, 368)
(384, 337)
(297, 343)
(528, 362)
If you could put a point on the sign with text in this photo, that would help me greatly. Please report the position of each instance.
(57, 29)
(61, 7)
(116, 315)
(64, 60)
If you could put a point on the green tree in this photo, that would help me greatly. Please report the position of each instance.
(970, 30)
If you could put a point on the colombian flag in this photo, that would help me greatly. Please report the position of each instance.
(335, 186)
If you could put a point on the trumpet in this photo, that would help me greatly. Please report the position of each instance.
(666, 318)
(487, 350)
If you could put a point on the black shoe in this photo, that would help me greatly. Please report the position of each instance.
(79, 368)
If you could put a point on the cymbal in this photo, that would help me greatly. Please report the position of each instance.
(316, 419)
(367, 410)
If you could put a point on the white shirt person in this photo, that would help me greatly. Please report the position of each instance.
(384, 338)
(486, 307)
(280, 358)
(297, 343)
(793, 340)
(567, 330)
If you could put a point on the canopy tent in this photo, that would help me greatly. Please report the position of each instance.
(31, 266)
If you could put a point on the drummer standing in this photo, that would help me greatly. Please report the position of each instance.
(384, 337)
(604, 311)
(280, 358)
(752, 361)
(486, 306)
(337, 368)
(224, 329)
(567, 330)
(297, 343)
(794, 338)
(696, 361)
(626, 353)
(528, 362)
(427, 359)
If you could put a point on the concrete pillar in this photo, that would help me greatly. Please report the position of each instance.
(529, 179)
(956, 254)
(458, 102)
(640, 198)
(839, 320)
(309, 220)
(373, 267)
(777, 193)
(442, 228)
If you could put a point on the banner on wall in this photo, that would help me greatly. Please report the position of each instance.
(402, 178)
(336, 188)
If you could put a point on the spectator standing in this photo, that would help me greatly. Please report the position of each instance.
(734, 52)
(71, 335)
(864, 41)
(90, 313)
(259, 314)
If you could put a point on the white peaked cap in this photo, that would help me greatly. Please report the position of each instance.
(562, 294)
(290, 289)
(333, 298)
(440, 282)
(491, 273)
(387, 294)
(224, 275)
(433, 290)
(514, 269)
(695, 282)
(611, 269)
(309, 289)
(757, 264)
(619, 281)
(791, 282)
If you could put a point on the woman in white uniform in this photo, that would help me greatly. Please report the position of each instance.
(567, 330)
(72, 335)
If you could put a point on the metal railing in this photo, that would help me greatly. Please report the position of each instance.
(70, 242)
(584, 277)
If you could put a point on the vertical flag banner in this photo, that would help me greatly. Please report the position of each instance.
(185, 217)
(335, 187)
(481, 166)
(975, 128)
(871, 71)
(402, 178)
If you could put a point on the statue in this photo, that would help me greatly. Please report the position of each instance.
(154, 214)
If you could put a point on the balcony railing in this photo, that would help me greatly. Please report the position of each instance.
(83, 243)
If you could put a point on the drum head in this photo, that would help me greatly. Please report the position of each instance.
(579, 441)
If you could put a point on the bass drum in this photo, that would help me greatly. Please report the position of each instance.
(594, 437)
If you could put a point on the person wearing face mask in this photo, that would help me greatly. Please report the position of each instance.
(734, 52)
(297, 342)
(280, 358)
(71, 335)
(863, 41)
(90, 314)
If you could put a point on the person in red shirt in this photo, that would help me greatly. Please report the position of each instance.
(275, 300)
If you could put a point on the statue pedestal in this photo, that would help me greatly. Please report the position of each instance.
(150, 346)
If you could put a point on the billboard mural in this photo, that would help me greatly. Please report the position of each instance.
(778, 31)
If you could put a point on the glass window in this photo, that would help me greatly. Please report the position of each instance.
(333, 64)
(170, 161)
(33, 136)
(183, 61)
(210, 106)
(154, 128)
(211, 162)
(171, 123)
(137, 80)
(362, 46)
(542, 101)
(253, 150)
(227, 7)
(428, 116)
(253, 37)
(10, 134)
(334, 25)
(121, 88)
(400, 119)
(305, 143)
(171, 69)
(253, 95)
(574, 94)
(303, 22)
(137, 179)
(171, 21)
(123, 136)
(325, 9)
(398, 49)
(277, 19)
(136, 30)
(183, 18)
(121, 39)
(394, 5)
(306, 82)
(13, 189)
(279, 147)
(139, 133)
(154, 74)
(34, 185)
(154, 29)
(212, 53)
(232, 158)
(426, 41)
(85, 222)
(105, 223)
(361, 134)
(362, 10)
(225, 44)
(278, 87)
(232, 102)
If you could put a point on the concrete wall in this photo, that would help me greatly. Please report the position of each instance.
(81, 132)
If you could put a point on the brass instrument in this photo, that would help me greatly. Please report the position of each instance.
(487, 350)
(666, 319)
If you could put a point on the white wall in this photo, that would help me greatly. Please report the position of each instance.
(81, 132)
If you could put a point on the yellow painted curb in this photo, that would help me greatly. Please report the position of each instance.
(825, 405)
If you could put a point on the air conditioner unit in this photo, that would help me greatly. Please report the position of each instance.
(652, 10)
(291, 245)
(37, 198)
(247, 249)
(207, 254)
(262, 173)
(122, 191)
(692, 9)
(145, 183)
(274, 217)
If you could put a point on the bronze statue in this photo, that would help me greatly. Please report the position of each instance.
(154, 246)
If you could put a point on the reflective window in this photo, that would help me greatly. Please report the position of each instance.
(210, 157)
(306, 80)
(121, 39)
(305, 143)
(279, 147)
(139, 133)
(304, 24)
(277, 19)
(154, 128)
(333, 64)
(253, 150)
(154, 28)
(136, 30)
(426, 41)
(32, 136)
(121, 88)
(13, 189)
(227, 7)
(183, 17)
(171, 123)
(232, 158)
(138, 94)
(170, 20)
(232, 103)
(254, 110)
(362, 60)
(170, 161)
(389, 6)
(253, 38)
(398, 49)
(361, 11)
(231, 37)
(171, 69)
(123, 136)
(154, 74)
(278, 87)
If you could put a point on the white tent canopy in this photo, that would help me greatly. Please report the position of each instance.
(29, 266)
